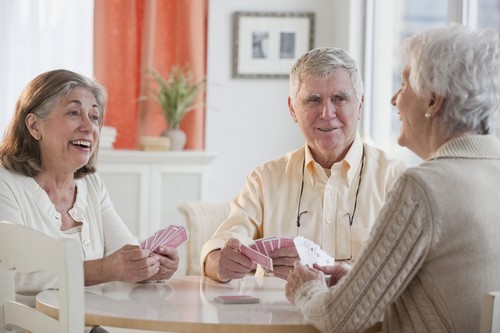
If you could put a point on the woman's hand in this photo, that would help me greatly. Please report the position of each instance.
(298, 276)
(169, 262)
(336, 272)
(130, 263)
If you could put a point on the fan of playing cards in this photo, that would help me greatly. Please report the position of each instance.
(308, 251)
(171, 236)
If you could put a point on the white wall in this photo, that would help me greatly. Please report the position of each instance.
(247, 120)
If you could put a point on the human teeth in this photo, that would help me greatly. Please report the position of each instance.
(81, 143)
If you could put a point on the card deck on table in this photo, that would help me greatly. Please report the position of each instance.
(236, 299)
(171, 236)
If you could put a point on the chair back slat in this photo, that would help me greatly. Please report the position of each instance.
(27, 251)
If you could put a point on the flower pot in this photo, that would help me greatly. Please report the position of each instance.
(177, 138)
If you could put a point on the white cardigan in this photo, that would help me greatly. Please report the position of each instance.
(23, 201)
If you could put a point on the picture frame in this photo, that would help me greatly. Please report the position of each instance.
(267, 44)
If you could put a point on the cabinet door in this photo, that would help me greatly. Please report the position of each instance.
(128, 188)
(173, 187)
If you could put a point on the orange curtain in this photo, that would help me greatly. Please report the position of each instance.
(133, 35)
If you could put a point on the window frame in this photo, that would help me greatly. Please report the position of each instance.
(377, 63)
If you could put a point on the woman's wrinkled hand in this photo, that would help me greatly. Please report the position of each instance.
(298, 276)
(336, 272)
(131, 264)
(169, 263)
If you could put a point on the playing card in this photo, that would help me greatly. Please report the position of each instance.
(165, 235)
(159, 237)
(146, 244)
(310, 253)
(286, 242)
(257, 257)
(268, 245)
(156, 240)
(260, 246)
(236, 299)
(171, 236)
(177, 239)
(274, 243)
(265, 246)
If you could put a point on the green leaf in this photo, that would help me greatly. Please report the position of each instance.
(177, 94)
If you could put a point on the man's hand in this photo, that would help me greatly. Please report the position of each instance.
(283, 261)
(228, 263)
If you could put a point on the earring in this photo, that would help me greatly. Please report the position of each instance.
(428, 115)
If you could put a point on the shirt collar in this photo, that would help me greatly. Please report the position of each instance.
(350, 164)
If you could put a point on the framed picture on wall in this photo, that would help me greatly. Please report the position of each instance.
(266, 45)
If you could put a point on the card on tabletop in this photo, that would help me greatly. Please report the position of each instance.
(236, 299)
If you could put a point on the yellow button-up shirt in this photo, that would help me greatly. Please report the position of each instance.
(267, 205)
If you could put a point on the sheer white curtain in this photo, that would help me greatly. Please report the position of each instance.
(40, 35)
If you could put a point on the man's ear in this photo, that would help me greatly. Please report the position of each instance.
(291, 109)
(33, 125)
(360, 109)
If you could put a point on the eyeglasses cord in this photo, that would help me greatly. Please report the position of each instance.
(351, 216)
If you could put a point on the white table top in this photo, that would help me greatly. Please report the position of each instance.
(185, 304)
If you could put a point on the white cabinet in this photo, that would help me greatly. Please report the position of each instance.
(147, 187)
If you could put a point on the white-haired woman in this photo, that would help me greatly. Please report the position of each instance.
(434, 249)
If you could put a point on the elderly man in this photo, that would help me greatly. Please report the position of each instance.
(329, 191)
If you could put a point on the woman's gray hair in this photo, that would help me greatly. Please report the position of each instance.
(19, 151)
(321, 62)
(461, 65)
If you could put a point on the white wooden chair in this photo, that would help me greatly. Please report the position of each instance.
(27, 251)
(202, 219)
(490, 313)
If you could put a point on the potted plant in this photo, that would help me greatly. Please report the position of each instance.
(176, 96)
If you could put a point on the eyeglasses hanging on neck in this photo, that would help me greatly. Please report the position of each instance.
(350, 216)
(299, 213)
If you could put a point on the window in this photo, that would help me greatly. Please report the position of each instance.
(488, 16)
(38, 36)
(388, 23)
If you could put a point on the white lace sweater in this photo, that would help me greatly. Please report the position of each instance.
(432, 254)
